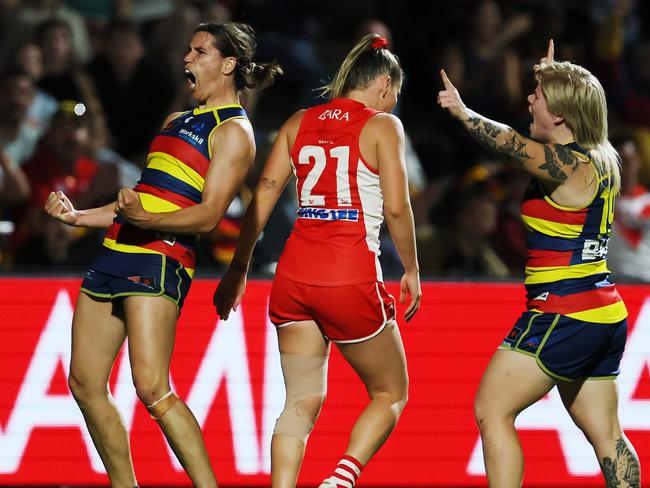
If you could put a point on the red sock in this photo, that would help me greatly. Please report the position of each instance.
(346, 473)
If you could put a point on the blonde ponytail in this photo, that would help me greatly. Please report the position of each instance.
(368, 59)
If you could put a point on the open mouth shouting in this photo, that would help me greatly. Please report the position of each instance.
(191, 78)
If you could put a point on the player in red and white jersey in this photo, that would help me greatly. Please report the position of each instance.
(348, 159)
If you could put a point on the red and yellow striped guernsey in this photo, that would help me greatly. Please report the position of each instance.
(178, 160)
(566, 266)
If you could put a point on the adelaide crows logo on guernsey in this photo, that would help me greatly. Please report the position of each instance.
(198, 126)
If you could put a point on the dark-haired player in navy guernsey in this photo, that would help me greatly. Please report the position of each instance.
(136, 286)
(573, 334)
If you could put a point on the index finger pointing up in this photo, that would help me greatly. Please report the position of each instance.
(550, 53)
(445, 80)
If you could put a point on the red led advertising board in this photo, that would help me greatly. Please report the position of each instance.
(229, 375)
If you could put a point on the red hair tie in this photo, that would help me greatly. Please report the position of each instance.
(379, 43)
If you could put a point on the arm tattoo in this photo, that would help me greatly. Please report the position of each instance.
(498, 137)
(505, 140)
(566, 157)
(624, 471)
(557, 158)
(552, 166)
(516, 149)
(269, 183)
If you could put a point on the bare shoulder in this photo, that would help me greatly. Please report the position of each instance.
(385, 123)
(233, 140)
(235, 131)
(383, 127)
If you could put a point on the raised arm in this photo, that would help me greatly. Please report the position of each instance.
(273, 180)
(389, 134)
(234, 152)
(550, 162)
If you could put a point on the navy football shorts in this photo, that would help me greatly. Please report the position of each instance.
(116, 274)
(568, 349)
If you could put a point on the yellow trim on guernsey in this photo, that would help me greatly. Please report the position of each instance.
(198, 111)
(210, 136)
(128, 248)
(551, 228)
(175, 167)
(550, 274)
(552, 203)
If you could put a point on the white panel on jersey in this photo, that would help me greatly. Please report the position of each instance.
(372, 202)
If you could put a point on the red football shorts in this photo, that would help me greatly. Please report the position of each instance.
(348, 313)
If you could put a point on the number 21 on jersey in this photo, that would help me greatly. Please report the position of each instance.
(318, 155)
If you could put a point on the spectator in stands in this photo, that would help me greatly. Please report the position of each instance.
(63, 161)
(465, 250)
(484, 60)
(625, 71)
(135, 90)
(28, 57)
(64, 78)
(629, 247)
(21, 19)
(510, 234)
(18, 132)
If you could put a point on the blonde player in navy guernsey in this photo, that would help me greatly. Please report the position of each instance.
(348, 159)
(575, 327)
(136, 286)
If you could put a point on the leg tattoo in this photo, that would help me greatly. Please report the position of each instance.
(624, 471)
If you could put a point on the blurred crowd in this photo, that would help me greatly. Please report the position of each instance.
(85, 85)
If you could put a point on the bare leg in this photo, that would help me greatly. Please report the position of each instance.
(593, 406)
(305, 343)
(97, 336)
(511, 382)
(151, 327)
(386, 380)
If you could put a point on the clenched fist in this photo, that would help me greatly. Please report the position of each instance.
(129, 206)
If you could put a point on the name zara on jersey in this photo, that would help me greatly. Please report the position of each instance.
(335, 114)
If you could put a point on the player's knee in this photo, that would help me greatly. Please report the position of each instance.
(299, 416)
(311, 406)
(396, 398)
(486, 413)
(150, 386)
(82, 391)
(306, 382)
(601, 435)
